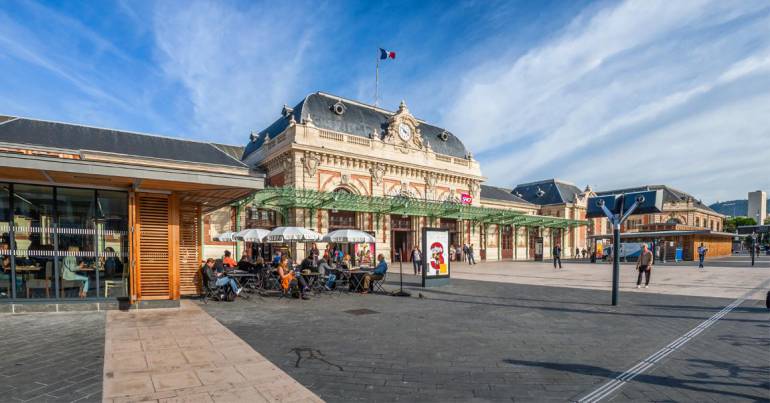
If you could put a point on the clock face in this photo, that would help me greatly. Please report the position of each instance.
(405, 132)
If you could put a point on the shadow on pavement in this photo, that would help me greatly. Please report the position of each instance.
(692, 385)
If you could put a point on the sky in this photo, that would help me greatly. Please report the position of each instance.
(603, 93)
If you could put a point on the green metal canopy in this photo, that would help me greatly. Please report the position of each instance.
(288, 197)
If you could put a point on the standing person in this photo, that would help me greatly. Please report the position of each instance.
(701, 255)
(314, 254)
(584, 253)
(466, 254)
(644, 266)
(577, 253)
(471, 257)
(417, 260)
(556, 255)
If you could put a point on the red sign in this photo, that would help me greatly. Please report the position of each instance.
(466, 198)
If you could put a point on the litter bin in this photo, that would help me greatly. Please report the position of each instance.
(124, 303)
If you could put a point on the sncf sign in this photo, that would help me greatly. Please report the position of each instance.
(466, 198)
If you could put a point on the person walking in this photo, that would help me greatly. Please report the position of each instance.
(556, 255)
(466, 254)
(701, 255)
(417, 260)
(471, 258)
(577, 253)
(644, 266)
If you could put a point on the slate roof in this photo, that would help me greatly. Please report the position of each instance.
(359, 120)
(549, 191)
(67, 136)
(496, 193)
(233, 151)
(670, 195)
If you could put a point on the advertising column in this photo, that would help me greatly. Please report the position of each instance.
(435, 246)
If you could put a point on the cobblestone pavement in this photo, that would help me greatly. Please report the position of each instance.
(54, 357)
(487, 341)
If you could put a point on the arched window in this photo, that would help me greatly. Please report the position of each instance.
(342, 219)
(673, 220)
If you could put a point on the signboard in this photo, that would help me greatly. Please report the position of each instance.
(650, 201)
(435, 246)
(466, 198)
(365, 253)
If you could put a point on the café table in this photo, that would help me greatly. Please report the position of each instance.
(356, 277)
(311, 278)
(243, 278)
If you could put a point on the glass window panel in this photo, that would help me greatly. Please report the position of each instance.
(112, 229)
(77, 242)
(33, 216)
(5, 241)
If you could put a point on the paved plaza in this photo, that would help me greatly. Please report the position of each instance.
(52, 357)
(488, 341)
(499, 332)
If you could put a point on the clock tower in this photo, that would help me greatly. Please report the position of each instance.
(404, 130)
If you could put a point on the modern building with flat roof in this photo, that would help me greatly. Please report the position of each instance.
(92, 214)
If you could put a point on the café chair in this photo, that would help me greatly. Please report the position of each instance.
(41, 284)
(122, 283)
(379, 285)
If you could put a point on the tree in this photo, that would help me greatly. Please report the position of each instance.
(731, 224)
(767, 220)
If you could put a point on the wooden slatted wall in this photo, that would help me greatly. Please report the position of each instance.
(152, 255)
(189, 249)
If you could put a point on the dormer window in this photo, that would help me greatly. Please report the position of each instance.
(339, 108)
(540, 192)
(286, 111)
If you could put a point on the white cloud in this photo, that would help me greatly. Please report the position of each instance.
(239, 65)
(613, 79)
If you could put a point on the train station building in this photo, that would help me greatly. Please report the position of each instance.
(334, 163)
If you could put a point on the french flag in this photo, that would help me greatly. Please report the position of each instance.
(387, 54)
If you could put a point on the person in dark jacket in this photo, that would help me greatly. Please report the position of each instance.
(556, 255)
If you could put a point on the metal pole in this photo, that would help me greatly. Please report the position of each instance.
(377, 81)
(616, 255)
(615, 262)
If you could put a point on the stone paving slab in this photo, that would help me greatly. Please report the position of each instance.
(51, 357)
(184, 355)
(713, 281)
(478, 341)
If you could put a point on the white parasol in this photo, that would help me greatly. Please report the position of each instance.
(225, 237)
(256, 235)
(292, 234)
(348, 236)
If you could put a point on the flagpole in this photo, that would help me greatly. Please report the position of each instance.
(377, 81)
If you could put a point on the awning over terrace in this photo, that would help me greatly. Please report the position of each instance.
(287, 197)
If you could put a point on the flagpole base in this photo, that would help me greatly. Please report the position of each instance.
(400, 293)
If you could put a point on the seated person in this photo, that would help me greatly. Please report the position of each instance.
(228, 261)
(276, 258)
(111, 263)
(377, 274)
(70, 268)
(219, 277)
(346, 262)
(289, 279)
(325, 269)
(245, 263)
(5, 271)
(258, 266)
(307, 264)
